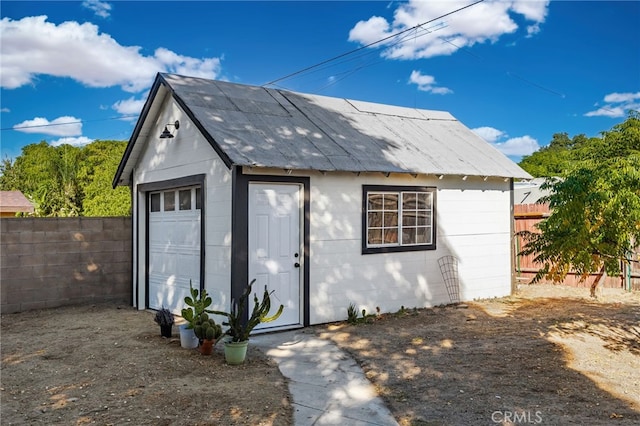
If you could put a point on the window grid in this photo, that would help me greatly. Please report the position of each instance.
(175, 199)
(402, 218)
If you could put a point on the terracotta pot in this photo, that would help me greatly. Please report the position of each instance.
(206, 346)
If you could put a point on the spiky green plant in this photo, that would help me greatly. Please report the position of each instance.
(239, 330)
(352, 314)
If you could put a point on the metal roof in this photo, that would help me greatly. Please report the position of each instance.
(14, 201)
(264, 127)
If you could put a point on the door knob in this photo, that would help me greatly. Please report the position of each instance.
(297, 265)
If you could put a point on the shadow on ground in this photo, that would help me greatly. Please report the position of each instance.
(549, 361)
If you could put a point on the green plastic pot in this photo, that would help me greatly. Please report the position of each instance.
(235, 352)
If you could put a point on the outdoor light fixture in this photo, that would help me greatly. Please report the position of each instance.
(166, 134)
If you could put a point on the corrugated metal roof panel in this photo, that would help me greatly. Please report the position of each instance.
(256, 126)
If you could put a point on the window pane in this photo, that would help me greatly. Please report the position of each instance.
(391, 201)
(374, 201)
(423, 235)
(423, 218)
(409, 200)
(391, 236)
(374, 236)
(198, 199)
(185, 199)
(155, 202)
(408, 219)
(169, 201)
(390, 219)
(408, 236)
(374, 219)
(382, 218)
(424, 201)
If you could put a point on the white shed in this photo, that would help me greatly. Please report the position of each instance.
(327, 201)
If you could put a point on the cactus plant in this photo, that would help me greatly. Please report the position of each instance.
(206, 328)
(197, 304)
(239, 330)
(165, 319)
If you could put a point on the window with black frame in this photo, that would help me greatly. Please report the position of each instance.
(398, 218)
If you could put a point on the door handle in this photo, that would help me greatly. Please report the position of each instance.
(297, 265)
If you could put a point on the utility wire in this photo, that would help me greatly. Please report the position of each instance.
(69, 122)
(415, 27)
(347, 73)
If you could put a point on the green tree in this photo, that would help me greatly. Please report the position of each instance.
(621, 141)
(559, 157)
(595, 220)
(96, 174)
(67, 180)
(45, 174)
(556, 158)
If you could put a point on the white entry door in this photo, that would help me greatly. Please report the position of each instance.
(275, 257)
(174, 246)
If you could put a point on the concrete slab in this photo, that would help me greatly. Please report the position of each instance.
(327, 386)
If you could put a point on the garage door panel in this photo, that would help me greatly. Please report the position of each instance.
(174, 254)
(187, 264)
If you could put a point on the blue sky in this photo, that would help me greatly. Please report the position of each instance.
(514, 71)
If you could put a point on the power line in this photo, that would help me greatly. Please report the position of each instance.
(68, 122)
(415, 27)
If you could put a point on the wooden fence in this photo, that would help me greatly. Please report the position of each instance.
(526, 216)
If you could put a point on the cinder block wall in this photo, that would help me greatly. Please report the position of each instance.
(49, 262)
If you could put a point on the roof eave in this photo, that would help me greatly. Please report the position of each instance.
(118, 178)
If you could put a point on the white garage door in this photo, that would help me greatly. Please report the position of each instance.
(174, 246)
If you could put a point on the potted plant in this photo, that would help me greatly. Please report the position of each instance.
(207, 332)
(165, 319)
(235, 347)
(195, 311)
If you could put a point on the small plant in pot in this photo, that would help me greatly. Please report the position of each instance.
(207, 332)
(165, 319)
(196, 311)
(235, 348)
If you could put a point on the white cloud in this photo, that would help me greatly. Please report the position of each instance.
(61, 126)
(617, 105)
(81, 141)
(100, 8)
(5, 110)
(489, 134)
(32, 46)
(523, 145)
(427, 83)
(622, 97)
(483, 22)
(129, 106)
(532, 10)
(533, 30)
(516, 147)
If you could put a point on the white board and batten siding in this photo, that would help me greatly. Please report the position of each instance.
(473, 219)
(171, 240)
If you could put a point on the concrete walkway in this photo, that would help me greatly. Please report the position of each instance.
(327, 386)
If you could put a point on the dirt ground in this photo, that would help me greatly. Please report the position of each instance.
(548, 355)
(108, 365)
